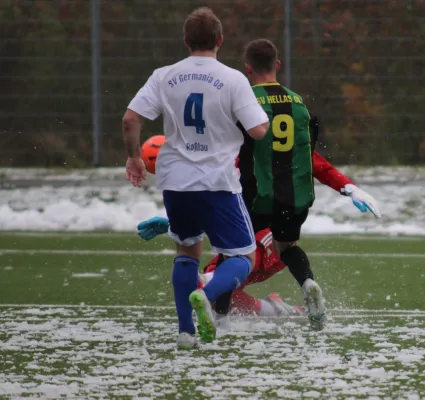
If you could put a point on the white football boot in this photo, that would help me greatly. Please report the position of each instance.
(315, 303)
(186, 341)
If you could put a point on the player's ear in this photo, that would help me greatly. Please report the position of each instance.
(278, 65)
(248, 69)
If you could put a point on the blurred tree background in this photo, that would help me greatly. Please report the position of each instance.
(358, 64)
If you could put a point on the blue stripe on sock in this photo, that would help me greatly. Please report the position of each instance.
(186, 259)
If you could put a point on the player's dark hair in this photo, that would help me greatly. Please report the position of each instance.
(202, 29)
(261, 55)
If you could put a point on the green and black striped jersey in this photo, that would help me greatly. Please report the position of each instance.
(281, 162)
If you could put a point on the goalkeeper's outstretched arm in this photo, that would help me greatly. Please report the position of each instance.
(327, 174)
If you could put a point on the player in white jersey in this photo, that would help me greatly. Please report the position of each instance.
(201, 101)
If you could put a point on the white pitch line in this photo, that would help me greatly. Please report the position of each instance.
(170, 252)
(371, 312)
(94, 234)
(165, 252)
(365, 237)
(112, 306)
(369, 255)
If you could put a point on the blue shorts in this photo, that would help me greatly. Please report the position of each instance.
(223, 216)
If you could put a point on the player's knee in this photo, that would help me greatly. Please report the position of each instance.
(282, 247)
(194, 251)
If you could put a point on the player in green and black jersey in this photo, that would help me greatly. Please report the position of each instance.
(276, 172)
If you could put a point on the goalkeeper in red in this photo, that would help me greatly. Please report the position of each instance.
(267, 263)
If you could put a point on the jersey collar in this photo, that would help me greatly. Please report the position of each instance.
(267, 84)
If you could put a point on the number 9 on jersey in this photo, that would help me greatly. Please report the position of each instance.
(283, 128)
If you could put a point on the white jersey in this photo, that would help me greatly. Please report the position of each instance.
(201, 101)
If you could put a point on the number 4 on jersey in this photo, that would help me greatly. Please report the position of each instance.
(193, 112)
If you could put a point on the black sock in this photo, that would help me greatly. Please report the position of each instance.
(297, 262)
(222, 304)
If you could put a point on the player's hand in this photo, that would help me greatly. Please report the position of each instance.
(135, 171)
(152, 228)
(362, 200)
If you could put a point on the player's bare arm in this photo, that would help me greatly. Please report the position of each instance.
(259, 131)
(132, 124)
(145, 105)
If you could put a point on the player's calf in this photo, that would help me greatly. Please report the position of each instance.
(185, 281)
(228, 277)
(222, 303)
(295, 258)
(299, 265)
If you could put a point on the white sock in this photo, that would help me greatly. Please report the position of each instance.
(267, 310)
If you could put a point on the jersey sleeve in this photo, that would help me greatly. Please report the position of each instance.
(327, 174)
(245, 106)
(147, 101)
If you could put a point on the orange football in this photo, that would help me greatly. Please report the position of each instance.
(149, 151)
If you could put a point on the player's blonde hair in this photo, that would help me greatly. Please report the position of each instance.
(202, 30)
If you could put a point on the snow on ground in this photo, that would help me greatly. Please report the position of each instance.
(101, 199)
(99, 352)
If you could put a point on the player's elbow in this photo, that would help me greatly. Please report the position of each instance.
(258, 132)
